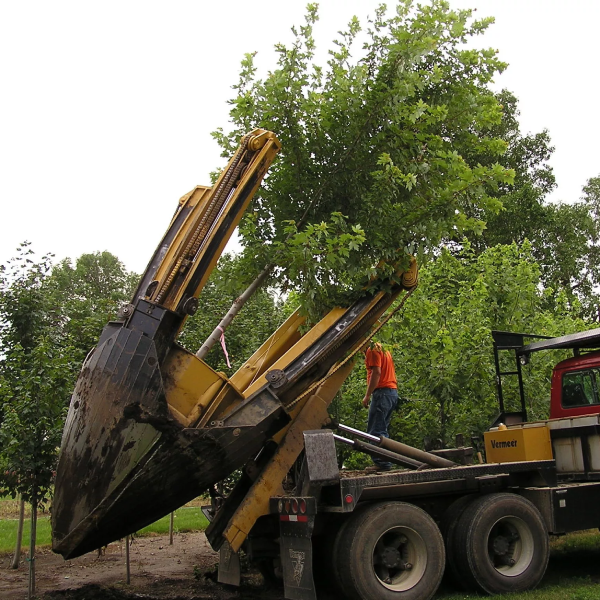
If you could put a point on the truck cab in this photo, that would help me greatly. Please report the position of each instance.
(576, 386)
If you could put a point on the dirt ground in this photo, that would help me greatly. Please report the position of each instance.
(184, 571)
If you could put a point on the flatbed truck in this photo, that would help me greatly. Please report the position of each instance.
(391, 535)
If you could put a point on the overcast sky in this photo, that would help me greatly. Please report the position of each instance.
(107, 107)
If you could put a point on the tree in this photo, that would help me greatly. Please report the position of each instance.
(523, 201)
(442, 344)
(32, 392)
(375, 163)
(34, 411)
(564, 235)
(23, 314)
(570, 255)
(85, 295)
(50, 317)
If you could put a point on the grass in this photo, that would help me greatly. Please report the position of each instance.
(187, 518)
(8, 534)
(573, 589)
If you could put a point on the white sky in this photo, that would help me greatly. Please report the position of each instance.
(106, 107)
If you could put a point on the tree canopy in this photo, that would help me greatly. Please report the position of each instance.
(382, 147)
(50, 318)
(442, 345)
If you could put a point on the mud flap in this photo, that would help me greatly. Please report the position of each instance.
(296, 556)
(229, 566)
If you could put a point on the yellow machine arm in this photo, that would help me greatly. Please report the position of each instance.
(205, 219)
(151, 426)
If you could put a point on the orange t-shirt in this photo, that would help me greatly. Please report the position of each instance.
(374, 358)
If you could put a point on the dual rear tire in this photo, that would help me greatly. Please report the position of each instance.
(496, 544)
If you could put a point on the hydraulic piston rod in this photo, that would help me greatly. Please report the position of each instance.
(400, 448)
(380, 452)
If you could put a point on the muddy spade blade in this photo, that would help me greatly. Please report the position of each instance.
(124, 461)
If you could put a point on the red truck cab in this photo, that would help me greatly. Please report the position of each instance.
(576, 387)
(575, 381)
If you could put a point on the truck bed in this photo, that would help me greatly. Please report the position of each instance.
(356, 486)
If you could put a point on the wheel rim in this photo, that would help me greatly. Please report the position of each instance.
(510, 546)
(399, 558)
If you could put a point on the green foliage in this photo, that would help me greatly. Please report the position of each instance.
(564, 235)
(382, 148)
(34, 408)
(50, 317)
(23, 305)
(86, 295)
(522, 201)
(442, 344)
(569, 249)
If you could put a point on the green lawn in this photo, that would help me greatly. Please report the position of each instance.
(572, 589)
(186, 519)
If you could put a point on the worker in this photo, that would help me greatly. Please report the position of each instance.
(382, 394)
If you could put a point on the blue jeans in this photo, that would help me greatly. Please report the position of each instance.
(383, 404)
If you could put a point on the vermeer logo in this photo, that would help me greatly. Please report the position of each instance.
(507, 444)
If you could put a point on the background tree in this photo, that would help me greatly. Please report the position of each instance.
(50, 317)
(257, 320)
(564, 235)
(568, 250)
(442, 344)
(376, 148)
(32, 405)
(85, 295)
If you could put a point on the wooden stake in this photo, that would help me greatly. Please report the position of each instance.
(171, 529)
(32, 539)
(17, 556)
(128, 577)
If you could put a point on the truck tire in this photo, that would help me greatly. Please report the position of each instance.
(500, 545)
(390, 551)
(448, 526)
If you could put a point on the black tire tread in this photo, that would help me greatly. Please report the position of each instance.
(355, 536)
(466, 557)
(448, 527)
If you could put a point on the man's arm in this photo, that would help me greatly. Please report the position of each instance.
(373, 381)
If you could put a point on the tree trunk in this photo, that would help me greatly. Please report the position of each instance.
(17, 556)
(214, 337)
(32, 538)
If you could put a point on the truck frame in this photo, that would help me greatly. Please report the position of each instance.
(391, 535)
